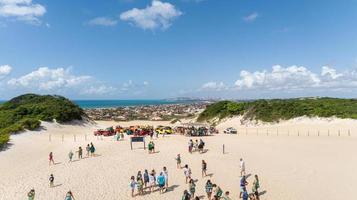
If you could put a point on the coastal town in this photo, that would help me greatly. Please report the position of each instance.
(166, 112)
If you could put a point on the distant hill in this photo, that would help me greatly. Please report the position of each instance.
(282, 109)
(26, 111)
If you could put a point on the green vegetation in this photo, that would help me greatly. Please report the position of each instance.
(26, 111)
(282, 109)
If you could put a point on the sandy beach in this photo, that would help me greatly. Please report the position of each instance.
(289, 166)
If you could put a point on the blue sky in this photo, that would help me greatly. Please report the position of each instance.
(138, 49)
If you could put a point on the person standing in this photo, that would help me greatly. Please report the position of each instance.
(242, 167)
(255, 187)
(69, 196)
(50, 158)
(243, 183)
(87, 150)
(31, 194)
(132, 185)
(52, 179)
(92, 149)
(208, 189)
(161, 182)
(226, 196)
(151, 181)
(70, 156)
(245, 194)
(146, 177)
(192, 188)
(190, 146)
(186, 195)
(178, 161)
(80, 152)
(204, 168)
(166, 175)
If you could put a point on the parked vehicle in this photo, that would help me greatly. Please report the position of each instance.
(105, 132)
(230, 130)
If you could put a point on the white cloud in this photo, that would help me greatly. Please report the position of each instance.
(296, 78)
(251, 17)
(217, 86)
(47, 79)
(103, 21)
(159, 15)
(98, 90)
(5, 70)
(23, 10)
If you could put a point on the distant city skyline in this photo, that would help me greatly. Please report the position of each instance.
(131, 49)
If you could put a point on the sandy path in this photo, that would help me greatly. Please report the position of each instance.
(289, 167)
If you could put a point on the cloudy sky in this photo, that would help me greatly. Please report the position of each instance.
(142, 49)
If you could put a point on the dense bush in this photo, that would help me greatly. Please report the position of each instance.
(26, 111)
(282, 109)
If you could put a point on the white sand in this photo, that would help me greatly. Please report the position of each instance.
(290, 167)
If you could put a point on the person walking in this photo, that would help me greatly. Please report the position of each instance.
(146, 177)
(217, 192)
(31, 194)
(50, 158)
(151, 181)
(243, 183)
(204, 168)
(51, 179)
(132, 185)
(187, 172)
(161, 182)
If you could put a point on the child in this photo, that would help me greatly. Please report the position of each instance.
(51, 179)
(204, 168)
(178, 161)
(50, 157)
(132, 185)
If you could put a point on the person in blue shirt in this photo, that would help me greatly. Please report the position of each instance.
(161, 182)
(245, 194)
(243, 183)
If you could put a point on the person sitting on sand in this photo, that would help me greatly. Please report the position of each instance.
(87, 150)
(208, 189)
(204, 168)
(80, 152)
(51, 179)
(255, 187)
(161, 182)
(50, 158)
(70, 156)
(178, 161)
(186, 195)
(132, 185)
(192, 187)
(69, 196)
(187, 172)
(242, 185)
(31, 194)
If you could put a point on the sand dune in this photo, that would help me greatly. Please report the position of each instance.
(294, 167)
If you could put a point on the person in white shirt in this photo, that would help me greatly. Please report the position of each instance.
(166, 175)
(187, 172)
(242, 167)
(151, 181)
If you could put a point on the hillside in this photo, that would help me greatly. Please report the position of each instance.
(282, 109)
(26, 112)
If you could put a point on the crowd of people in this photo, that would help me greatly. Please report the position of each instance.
(196, 146)
(147, 182)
